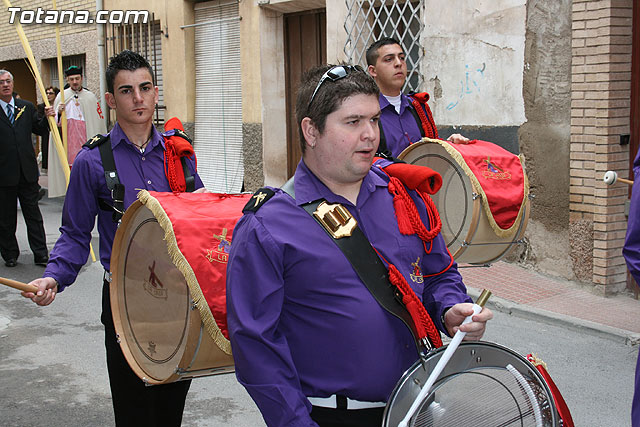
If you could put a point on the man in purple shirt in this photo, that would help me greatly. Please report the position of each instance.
(138, 151)
(399, 120)
(310, 343)
(631, 252)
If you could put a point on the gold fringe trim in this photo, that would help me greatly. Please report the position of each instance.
(183, 266)
(500, 232)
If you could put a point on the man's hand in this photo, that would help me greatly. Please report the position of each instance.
(456, 138)
(475, 329)
(47, 289)
(49, 111)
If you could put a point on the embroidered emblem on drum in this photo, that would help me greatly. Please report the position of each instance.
(417, 276)
(494, 171)
(221, 252)
(153, 285)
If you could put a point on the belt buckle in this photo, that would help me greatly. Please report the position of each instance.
(336, 219)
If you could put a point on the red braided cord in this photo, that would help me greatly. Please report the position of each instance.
(421, 319)
(399, 191)
(429, 131)
(170, 158)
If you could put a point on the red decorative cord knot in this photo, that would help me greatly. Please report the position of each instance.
(409, 221)
(425, 328)
(175, 148)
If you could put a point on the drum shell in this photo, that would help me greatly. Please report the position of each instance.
(465, 226)
(467, 357)
(142, 320)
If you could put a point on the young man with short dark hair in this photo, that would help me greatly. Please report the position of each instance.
(139, 154)
(405, 119)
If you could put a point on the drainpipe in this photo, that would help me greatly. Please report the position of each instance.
(101, 64)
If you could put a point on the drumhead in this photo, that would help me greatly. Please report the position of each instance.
(152, 312)
(484, 384)
(454, 200)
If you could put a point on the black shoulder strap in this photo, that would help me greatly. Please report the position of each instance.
(414, 113)
(383, 151)
(189, 179)
(110, 176)
(368, 266)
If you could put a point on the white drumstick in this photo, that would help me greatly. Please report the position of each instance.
(611, 177)
(444, 359)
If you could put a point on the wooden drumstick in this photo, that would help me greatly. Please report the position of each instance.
(611, 177)
(24, 287)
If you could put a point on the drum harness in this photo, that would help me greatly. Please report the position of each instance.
(385, 285)
(111, 174)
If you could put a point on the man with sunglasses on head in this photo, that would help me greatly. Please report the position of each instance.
(404, 119)
(140, 158)
(311, 344)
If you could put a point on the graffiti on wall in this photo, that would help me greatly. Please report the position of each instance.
(469, 84)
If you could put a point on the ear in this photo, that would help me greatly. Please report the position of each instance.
(157, 95)
(309, 131)
(111, 100)
(372, 71)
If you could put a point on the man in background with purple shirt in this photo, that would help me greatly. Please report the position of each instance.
(399, 123)
(631, 252)
(138, 151)
(310, 343)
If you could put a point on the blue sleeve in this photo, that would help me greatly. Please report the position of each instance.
(255, 296)
(71, 250)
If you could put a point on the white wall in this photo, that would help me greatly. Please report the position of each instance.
(474, 61)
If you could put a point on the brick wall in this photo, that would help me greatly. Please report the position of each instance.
(36, 32)
(600, 109)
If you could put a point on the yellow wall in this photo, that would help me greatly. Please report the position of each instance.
(250, 59)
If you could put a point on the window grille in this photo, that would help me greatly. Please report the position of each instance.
(370, 20)
(145, 39)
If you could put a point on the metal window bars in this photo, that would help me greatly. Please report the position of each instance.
(370, 20)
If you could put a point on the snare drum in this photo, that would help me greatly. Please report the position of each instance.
(158, 307)
(484, 384)
(465, 224)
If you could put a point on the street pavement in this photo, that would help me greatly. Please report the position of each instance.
(53, 370)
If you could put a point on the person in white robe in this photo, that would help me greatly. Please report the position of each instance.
(84, 120)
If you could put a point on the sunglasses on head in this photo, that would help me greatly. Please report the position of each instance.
(334, 74)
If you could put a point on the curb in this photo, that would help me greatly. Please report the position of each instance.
(522, 310)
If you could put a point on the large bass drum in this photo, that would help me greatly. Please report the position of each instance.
(158, 270)
(483, 385)
(465, 224)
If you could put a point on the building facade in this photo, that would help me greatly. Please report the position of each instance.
(552, 80)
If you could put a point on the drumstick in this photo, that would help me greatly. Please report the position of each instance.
(611, 177)
(24, 287)
(451, 348)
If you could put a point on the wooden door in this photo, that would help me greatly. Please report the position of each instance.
(305, 46)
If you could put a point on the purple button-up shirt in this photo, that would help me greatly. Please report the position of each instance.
(87, 185)
(301, 321)
(631, 250)
(400, 130)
